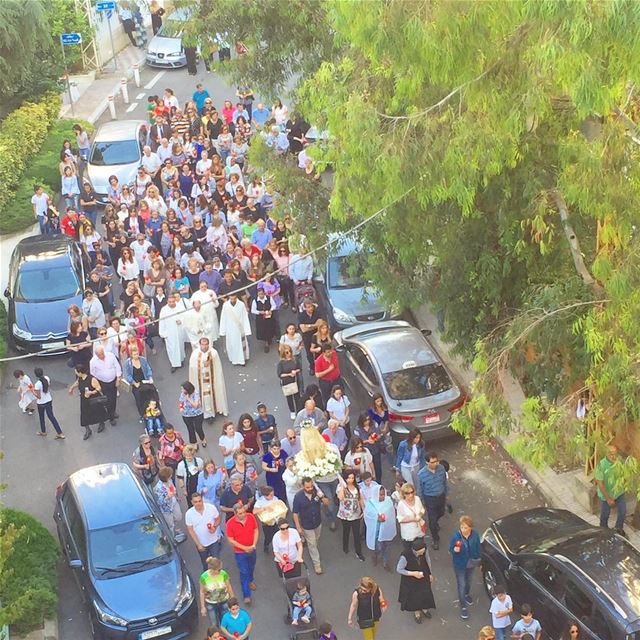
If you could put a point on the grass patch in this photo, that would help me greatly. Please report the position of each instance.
(43, 170)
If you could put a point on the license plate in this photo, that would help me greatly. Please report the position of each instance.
(154, 633)
(54, 345)
(430, 418)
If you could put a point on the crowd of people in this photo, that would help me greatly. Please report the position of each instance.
(189, 254)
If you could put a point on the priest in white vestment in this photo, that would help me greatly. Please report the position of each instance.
(197, 324)
(171, 330)
(235, 326)
(205, 374)
(209, 300)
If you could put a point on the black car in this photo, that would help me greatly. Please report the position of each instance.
(567, 570)
(46, 275)
(124, 559)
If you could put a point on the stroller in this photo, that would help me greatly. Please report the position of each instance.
(303, 291)
(148, 391)
(302, 630)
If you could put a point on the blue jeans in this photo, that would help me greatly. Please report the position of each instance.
(47, 408)
(42, 221)
(463, 580)
(301, 611)
(329, 490)
(246, 564)
(605, 511)
(502, 634)
(154, 424)
(212, 550)
(216, 611)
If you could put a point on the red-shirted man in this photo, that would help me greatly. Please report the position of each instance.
(243, 533)
(327, 370)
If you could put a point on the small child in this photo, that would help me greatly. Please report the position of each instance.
(527, 625)
(301, 604)
(25, 389)
(501, 607)
(326, 632)
(153, 419)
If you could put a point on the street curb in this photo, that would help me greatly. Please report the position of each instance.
(103, 104)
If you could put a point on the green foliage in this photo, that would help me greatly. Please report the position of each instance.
(17, 214)
(28, 580)
(62, 17)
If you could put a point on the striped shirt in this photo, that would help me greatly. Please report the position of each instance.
(432, 483)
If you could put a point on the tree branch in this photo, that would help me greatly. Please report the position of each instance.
(574, 244)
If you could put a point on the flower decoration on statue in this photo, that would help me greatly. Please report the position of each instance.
(317, 459)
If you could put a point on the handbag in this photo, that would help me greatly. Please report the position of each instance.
(290, 389)
(472, 563)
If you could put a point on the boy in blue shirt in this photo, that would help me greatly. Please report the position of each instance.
(236, 623)
(527, 625)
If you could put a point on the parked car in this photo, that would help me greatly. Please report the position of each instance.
(567, 570)
(116, 151)
(165, 48)
(123, 557)
(347, 297)
(396, 359)
(46, 275)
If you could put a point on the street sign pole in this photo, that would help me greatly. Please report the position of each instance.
(66, 75)
(108, 7)
(113, 50)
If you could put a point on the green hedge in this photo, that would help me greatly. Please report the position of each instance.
(43, 169)
(28, 581)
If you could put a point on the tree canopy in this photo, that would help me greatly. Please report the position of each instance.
(503, 132)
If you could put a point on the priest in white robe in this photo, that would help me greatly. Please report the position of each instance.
(209, 301)
(205, 374)
(235, 326)
(172, 332)
(197, 324)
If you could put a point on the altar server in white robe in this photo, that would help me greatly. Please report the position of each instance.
(172, 331)
(209, 300)
(235, 326)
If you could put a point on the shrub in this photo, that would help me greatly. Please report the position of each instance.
(43, 169)
(28, 581)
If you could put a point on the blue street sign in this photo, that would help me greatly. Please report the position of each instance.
(70, 38)
(109, 5)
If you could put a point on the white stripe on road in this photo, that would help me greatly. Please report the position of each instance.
(132, 106)
(140, 96)
(154, 79)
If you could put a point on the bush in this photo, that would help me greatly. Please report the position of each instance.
(28, 581)
(4, 331)
(18, 214)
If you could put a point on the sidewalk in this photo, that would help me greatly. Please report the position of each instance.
(557, 488)
(94, 89)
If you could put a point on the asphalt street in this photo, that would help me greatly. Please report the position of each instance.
(33, 467)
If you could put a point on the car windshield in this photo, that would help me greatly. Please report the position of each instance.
(128, 547)
(417, 382)
(105, 154)
(47, 283)
(345, 272)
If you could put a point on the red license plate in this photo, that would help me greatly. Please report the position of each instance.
(431, 418)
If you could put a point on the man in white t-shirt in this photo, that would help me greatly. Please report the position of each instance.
(203, 524)
(40, 202)
(151, 163)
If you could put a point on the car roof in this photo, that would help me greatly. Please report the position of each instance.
(395, 344)
(33, 250)
(108, 494)
(342, 245)
(595, 553)
(118, 130)
(537, 529)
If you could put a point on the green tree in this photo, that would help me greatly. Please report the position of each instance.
(497, 134)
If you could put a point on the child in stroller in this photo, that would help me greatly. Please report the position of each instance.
(153, 419)
(302, 605)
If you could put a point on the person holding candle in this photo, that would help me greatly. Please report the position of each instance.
(415, 582)
(203, 525)
(464, 548)
(273, 463)
(165, 492)
(380, 521)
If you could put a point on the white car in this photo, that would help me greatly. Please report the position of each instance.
(116, 151)
(165, 48)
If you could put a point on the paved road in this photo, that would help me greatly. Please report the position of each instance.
(33, 467)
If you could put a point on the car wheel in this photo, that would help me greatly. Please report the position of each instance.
(491, 576)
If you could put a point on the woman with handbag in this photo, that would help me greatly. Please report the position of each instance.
(188, 472)
(410, 514)
(93, 403)
(145, 460)
(192, 414)
(289, 371)
(368, 604)
(287, 550)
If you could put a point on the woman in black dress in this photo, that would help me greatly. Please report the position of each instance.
(415, 582)
(90, 411)
(78, 345)
(263, 309)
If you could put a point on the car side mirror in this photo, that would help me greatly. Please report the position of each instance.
(340, 348)
(75, 564)
(318, 278)
(7, 293)
(426, 332)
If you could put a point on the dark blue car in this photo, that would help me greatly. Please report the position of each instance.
(134, 581)
(46, 275)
